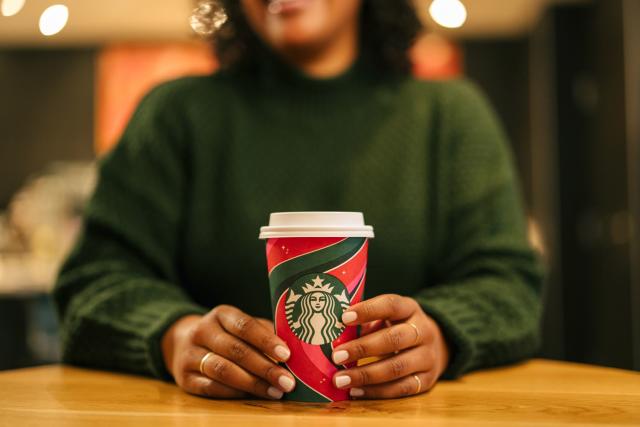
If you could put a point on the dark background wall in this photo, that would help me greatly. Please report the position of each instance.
(562, 94)
(631, 15)
(507, 87)
(46, 112)
(594, 183)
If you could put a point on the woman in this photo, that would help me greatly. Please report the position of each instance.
(314, 109)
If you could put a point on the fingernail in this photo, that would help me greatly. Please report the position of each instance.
(356, 392)
(274, 392)
(286, 383)
(342, 381)
(349, 316)
(340, 356)
(282, 352)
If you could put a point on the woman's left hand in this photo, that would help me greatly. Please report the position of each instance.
(421, 353)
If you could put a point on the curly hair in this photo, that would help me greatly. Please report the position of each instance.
(388, 28)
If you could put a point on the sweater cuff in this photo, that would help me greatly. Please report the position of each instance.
(455, 318)
(158, 317)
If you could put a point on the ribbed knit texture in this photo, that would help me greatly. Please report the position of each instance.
(172, 227)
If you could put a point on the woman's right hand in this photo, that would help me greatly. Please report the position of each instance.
(238, 365)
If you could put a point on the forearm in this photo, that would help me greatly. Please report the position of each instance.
(112, 309)
(487, 320)
(120, 289)
(120, 326)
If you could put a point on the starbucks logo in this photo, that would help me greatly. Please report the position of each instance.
(314, 308)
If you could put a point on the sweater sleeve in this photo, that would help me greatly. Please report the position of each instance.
(119, 289)
(487, 296)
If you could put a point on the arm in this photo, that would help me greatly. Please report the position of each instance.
(484, 309)
(119, 296)
(487, 297)
(119, 289)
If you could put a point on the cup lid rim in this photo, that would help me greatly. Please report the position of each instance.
(316, 224)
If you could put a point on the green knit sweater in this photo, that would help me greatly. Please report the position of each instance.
(172, 228)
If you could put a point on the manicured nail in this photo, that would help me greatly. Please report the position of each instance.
(282, 352)
(342, 381)
(349, 316)
(274, 392)
(356, 392)
(286, 383)
(340, 356)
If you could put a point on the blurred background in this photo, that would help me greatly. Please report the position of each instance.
(563, 75)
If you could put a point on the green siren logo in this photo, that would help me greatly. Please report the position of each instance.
(315, 306)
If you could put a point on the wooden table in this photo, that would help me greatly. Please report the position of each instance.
(538, 392)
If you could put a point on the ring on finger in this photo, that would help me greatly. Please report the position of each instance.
(417, 378)
(204, 359)
(417, 333)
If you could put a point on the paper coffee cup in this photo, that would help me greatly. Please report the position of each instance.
(317, 264)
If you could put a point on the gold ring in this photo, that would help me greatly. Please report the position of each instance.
(204, 359)
(417, 332)
(419, 384)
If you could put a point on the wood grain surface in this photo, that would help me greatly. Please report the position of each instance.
(535, 393)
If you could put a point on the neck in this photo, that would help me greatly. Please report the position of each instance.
(328, 60)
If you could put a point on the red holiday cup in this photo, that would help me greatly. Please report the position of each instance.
(317, 263)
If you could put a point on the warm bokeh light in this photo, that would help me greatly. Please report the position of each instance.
(435, 57)
(536, 239)
(125, 72)
(12, 7)
(207, 18)
(448, 13)
(53, 19)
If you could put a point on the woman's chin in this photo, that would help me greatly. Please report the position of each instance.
(296, 37)
(297, 44)
(301, 31)
(302, 41)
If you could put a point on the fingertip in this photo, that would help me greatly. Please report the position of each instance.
(282, 352)
(274, 393)
(349, 317)
(356, 392)
(340, 356)
(286, 383)
(342, 381)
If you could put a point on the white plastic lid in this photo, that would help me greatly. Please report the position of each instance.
(316, 224)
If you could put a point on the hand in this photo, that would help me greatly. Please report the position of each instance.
(420, 350)
(238, 365)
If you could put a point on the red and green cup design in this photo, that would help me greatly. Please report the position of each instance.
(313, 280)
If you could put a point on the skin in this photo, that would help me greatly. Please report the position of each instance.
(405, 351)
(239, 342)
(240, 366)
(321, 40)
